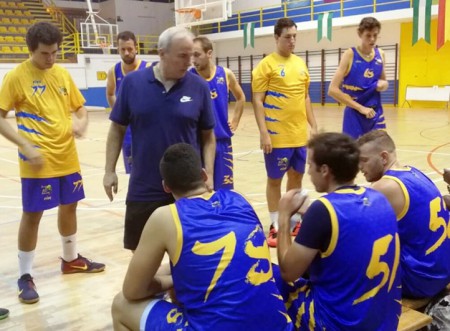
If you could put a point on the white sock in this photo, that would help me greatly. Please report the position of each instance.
(25, 262)
(296, 218)
(69, 247)
(274, 219)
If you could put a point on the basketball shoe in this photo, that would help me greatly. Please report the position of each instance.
(27, 289)
(81, 264)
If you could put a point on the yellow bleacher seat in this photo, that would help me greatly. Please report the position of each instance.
(2, 39)
(2, 12)
(3, 29)
(24, 21)
(19, 39)
(12, 4)
(27, 13)
(16, 49)
(9, 12)
(6, 49)
(6, 20)
(9, 39)
(15, 21)
(21, 30)
(20, 5)
(3, 4)
(18, 12)
(25, 49)
(12, 29)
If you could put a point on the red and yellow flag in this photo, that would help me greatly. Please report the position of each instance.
(443, 33)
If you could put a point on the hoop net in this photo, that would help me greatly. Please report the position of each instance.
(185, 16)
(105, 47)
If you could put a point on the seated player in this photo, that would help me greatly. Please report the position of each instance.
(421, 215)
(348, 243)
(219, 260)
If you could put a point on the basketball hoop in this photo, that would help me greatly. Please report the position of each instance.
(188, 15)
(105, 48)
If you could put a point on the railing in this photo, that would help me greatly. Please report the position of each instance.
(302, 11)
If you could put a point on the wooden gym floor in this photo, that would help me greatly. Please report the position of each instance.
(82, 302)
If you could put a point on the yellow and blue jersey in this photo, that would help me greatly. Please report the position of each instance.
(222, 272)
(43, 101)
(423, 229)
(119, 73)
(357, 277)
(219, 88)
(285, 81)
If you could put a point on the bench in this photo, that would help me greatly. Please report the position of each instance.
(412, 320)
(427, 93)
(416, 304)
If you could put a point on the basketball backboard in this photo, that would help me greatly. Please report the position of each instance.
(198, 12)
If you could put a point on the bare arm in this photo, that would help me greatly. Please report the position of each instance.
(25, 146)
(145, 276)
(111, 88)
(239, 95)
(80, 122)
(310, 115)
(382, 84)
(393, 192)
(209, 153)
(293, 258)
(258, 101)
(113, 147)
(335, 92)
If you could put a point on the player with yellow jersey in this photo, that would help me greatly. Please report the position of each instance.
(282, 109)
(44, 98)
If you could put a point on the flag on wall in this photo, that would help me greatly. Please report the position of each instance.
(249, 35)
(324, 26)
(421, 20)
(443, 30)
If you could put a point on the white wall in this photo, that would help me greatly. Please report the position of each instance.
(144, 17)
(239, 5)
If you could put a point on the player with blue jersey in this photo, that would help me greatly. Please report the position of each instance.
(50, 113)
(127, 47)
(359, 80)
(179, 110)
(283, 110)
(220, 266)
(352, 258)
(421, 213)
(221, 81)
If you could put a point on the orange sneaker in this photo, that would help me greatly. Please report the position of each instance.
(272, 237)
(81, 264)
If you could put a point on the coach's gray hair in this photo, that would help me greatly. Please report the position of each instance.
(169, 35)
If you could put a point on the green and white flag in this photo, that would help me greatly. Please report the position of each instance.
(249, 35)
(422, 20)
(325, 23)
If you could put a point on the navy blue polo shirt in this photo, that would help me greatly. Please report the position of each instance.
(159, 119)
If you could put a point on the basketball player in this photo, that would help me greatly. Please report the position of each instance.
(348, 242)
(220, 80)
(127, 46)
(50, 112)
(422, 217)
(220, 264)
(163, 104)
(362, 77)
(282, 109)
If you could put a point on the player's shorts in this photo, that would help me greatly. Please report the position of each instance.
(39, 194)
(223, 165)
(126, 151)
(162, 315)
(136, 215)
(281, 160)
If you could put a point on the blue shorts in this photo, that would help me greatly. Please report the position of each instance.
(40, 194)
(281, 160)
(126, 151)
(223, 165)
(161, 315)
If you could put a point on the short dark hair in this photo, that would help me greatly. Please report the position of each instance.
(181, 168)
(127, 35)
(339, 152)
(368, 23)
(283, 23)
(206, 43)
(43, 32)
(380, 137)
